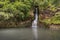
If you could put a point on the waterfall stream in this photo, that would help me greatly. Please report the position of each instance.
(34, 25)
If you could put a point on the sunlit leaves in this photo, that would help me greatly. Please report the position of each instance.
(22, 7)
(55, 19)
(5, 16)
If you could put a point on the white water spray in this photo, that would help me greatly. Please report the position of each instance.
(34, 26)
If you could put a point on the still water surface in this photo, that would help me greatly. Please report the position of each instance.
(27, 34)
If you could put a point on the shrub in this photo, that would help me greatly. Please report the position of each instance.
(5, 16)
(53, 20)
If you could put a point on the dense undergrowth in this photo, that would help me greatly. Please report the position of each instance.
(53, 20)
(19, 10)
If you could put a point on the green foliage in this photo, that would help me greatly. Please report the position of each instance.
(18, 8)
(22, 7)
(56, 19)
(48, 4)
(5, 16)
(53, 20)
(9, 8)
(2, 4)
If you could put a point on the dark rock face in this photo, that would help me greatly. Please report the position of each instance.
(35, 10)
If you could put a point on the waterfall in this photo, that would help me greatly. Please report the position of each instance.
(34, 25)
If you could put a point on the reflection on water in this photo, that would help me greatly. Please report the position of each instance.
(26, 34)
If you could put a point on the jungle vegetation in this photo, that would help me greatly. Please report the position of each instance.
(19, 10)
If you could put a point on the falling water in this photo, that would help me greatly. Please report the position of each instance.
(34, 26)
